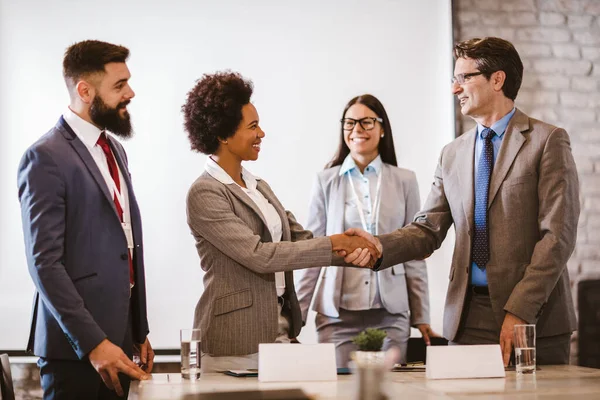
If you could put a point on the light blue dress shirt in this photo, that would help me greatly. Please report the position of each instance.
(478, 276)
(360, 286)
(366, 186)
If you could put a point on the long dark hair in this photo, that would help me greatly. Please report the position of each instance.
(386, 143)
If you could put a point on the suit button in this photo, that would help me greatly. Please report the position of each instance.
(124, 256)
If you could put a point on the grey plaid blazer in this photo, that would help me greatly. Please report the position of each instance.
(238, 308)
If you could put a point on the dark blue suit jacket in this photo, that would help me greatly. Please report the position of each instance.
(76, 249)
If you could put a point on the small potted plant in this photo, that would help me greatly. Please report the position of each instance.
(369, 364)
(369, 342)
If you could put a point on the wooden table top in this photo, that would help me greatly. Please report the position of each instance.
(550, 382)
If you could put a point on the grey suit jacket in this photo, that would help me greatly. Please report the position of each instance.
(403, 287)
(76, 249)
(533, 208)
(238, 308)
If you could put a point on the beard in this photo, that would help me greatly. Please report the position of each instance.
(109, 118)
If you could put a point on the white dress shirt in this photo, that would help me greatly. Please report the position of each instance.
(360, 286)
(89, 135)
(268, 211)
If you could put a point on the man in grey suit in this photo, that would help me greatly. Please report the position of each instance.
(83, 236)
(510, 188)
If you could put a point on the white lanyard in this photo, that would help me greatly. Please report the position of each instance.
(374, 206)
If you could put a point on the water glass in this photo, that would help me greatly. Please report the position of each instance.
(524, 342)
(369, 369)
(190, 353)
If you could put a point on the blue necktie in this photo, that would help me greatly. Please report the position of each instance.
(481, 244)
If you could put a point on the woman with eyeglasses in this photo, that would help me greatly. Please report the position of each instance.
(362, 187)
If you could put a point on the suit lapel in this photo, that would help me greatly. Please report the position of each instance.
(385, 171)
(286, 234)
(466, 174)
(123, 168)
(336, 205)
(87, 159)
(511, 144)
(244, 198)
(133, 205)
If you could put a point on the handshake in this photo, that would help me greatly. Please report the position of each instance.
(358, 247)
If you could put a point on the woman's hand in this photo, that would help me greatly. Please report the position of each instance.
(426, 332)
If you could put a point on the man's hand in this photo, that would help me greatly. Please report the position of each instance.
(143, 356)
(506, 335)
(368, 252)
(355, 257)
(426, 332)
(109, 360)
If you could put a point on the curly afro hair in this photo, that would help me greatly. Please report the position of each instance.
(213, 109)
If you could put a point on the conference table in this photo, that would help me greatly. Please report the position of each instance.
(549, 382)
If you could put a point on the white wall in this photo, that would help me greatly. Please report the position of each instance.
(307, 59)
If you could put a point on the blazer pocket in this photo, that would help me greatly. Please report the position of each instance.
(398, 269)
(232, 302)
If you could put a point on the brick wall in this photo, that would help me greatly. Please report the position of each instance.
(559, 43)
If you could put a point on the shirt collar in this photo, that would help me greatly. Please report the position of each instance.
(499, 127)
(349, 164)
(85, 131)
(219, 174)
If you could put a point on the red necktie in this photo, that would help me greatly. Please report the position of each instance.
(114, 173)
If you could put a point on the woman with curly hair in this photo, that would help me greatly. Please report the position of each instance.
(247, 242)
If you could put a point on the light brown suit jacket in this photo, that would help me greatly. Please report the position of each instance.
(238, 308)
(533, 208)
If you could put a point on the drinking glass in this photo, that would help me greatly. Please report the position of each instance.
(524, 342)
(190, 353)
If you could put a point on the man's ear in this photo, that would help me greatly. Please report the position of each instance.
(498, 78)
(85, 91)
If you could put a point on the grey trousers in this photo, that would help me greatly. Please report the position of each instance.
(350, 323)
(480, 327)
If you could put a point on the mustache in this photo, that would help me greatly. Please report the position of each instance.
(123, 104)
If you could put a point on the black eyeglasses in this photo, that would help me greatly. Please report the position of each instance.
(462, 78)
(366, 123)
